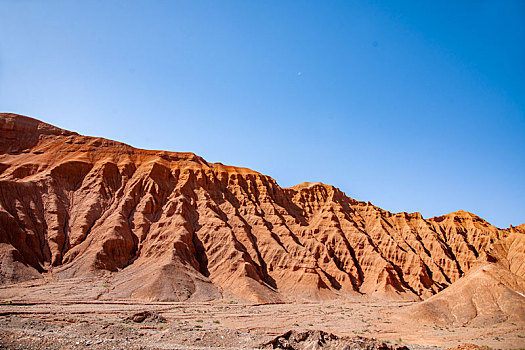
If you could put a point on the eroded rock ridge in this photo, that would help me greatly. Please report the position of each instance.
(171, 226)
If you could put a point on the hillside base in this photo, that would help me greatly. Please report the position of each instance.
(49, 316)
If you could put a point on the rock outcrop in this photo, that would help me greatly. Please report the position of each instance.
(171, 226)
(318, 340)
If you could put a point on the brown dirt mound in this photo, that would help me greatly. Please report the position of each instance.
(487, 295)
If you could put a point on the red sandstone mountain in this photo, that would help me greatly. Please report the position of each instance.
(171, 226)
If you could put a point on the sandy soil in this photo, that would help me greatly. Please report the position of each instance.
(71, 314)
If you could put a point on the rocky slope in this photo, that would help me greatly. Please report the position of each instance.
(486, 295)
(171, 226)
(492, 291)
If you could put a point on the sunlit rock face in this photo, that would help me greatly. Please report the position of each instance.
(171, 226)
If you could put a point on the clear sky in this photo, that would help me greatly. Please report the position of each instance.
(414, 106)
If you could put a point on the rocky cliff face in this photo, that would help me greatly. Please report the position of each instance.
(171, 226)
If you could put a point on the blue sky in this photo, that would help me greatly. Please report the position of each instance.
(414, 106)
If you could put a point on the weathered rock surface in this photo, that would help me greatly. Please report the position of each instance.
(487, 295)
(171, 226)
(314, 340)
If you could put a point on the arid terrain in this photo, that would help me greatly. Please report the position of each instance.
(48, 316)
(94, 232)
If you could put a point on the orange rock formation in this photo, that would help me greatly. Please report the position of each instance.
(171, 226)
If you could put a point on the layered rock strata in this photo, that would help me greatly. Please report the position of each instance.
(171, 226)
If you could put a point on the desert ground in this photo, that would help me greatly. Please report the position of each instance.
(47, 315)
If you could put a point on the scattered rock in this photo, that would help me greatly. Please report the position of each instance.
(311, 340)
(466, 346)
(150, 316)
